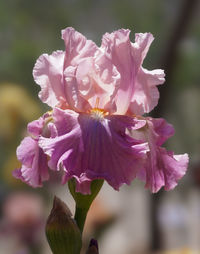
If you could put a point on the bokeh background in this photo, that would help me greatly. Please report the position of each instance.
(132, 220)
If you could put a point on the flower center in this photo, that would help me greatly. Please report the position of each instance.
(98, 113)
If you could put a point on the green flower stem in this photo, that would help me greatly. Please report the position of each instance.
(83, 202)
(80, 217)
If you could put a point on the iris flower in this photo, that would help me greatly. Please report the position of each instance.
(96, 128)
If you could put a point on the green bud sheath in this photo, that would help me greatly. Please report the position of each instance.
(62, 233)
(83, 202)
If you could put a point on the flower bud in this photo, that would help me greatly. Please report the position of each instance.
(93, 247)
(62, 233)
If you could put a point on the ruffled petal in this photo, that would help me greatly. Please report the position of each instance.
(162, 130)
(161, 168)
(78, 66)
(110, 76)
(141, 46)
(117, 47)
(25, 151)
(77, 47)
(146, 94)
(48, 73)
(94, 147)
(97, 79)
(175, 167)
(34, 168)
(136, 91)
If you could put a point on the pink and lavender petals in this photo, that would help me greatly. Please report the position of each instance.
(89, 147)
(34, 168)
(96, 130)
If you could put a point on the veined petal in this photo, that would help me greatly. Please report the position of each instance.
(48, 73)
(94, 147)
(34, 168)
(161, 168)
(162, 130)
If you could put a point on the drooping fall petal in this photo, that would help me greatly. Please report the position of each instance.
(161, 168)
(89, 147)
(34, 168)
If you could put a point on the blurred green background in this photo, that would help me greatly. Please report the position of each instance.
(30, 28)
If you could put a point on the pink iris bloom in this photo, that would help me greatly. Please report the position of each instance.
(98, 95)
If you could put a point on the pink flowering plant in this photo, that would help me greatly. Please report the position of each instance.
(96, 128)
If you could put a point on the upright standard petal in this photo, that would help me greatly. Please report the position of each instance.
(137, 92)
(161, 168)
(97, 79)
(56, 73)
(141, 46)
(111, 75)
(92, 146)
(117, 47)
(146, 94)
(77, 50)
(77, 47)
(48, 73)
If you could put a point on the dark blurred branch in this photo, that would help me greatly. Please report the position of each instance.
(168, 62)
(169, 59)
